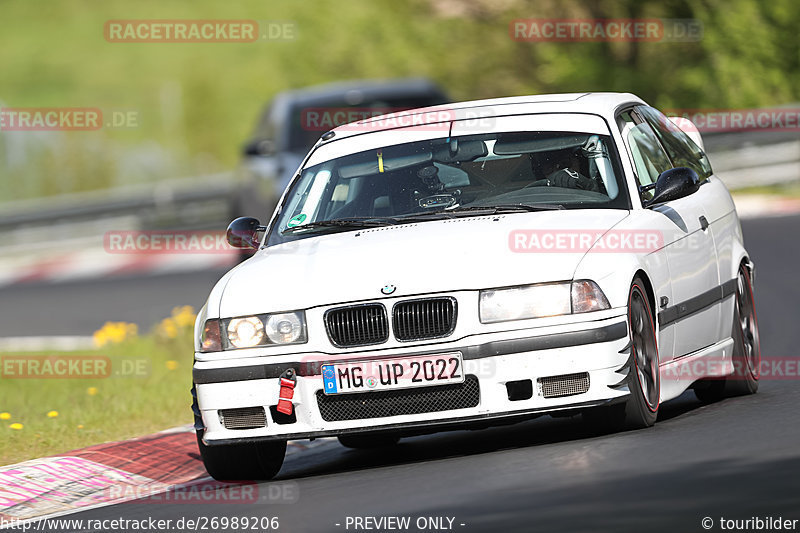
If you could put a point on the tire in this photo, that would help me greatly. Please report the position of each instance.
(242, 462)
(746, 340)
(270, 457)
(709, 390)
(746, 348)
(365, 442)
(644, 380)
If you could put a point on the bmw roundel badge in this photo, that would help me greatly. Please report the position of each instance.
(388, 289)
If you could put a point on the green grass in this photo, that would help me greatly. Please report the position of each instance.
(124, 406)
(786, 190)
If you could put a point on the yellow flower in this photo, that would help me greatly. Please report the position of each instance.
(172, 365)
(16, 425)
(80, 426)
(181, 319)
(115, 332)
(52, 414)
(168, 328)
(5, 416)
(91, 391)
(184, 316)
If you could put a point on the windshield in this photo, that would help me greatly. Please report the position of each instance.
(455, 176)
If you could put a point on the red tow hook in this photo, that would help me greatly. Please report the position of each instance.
(288, 382)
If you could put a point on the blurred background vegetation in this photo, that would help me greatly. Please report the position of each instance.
(198, 102)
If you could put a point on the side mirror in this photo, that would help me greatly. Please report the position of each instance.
(262, 147)
(243, 232)
(673, 184)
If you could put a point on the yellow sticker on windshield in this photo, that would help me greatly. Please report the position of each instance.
(380, 161)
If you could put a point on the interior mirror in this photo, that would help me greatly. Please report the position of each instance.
(673, 184)
(243, 232)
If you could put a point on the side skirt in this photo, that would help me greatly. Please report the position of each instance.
(680, 373)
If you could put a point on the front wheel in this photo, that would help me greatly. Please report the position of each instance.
(644, 380)
(242, 462)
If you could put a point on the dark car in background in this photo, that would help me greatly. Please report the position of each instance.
(293, 121)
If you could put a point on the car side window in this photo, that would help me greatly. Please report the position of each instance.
(648, 157)
(681, 148)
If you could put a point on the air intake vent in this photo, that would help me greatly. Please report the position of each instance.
(244, 418)
(382, 404)
(424, 319)
(359, 325)
(566, 385)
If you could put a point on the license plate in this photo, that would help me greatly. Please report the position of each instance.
(395, 373)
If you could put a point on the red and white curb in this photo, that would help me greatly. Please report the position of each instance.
(761, 205)
(160, 468)
(96, 263)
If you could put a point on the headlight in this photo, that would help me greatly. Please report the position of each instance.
(265, 330)
(245, 332)
(517, 303)
(286, 328)
(536, 301)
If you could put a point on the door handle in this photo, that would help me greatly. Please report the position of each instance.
(703, 223)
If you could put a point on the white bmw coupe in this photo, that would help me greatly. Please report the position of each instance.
(477, 264)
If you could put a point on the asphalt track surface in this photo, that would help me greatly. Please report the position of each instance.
(736, 459)
(82, 307)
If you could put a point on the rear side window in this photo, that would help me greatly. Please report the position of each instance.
(681, 149)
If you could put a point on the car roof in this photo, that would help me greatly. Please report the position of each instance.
(603, 104)
(357, 91)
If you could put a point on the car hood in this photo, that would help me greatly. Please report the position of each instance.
(427, 257)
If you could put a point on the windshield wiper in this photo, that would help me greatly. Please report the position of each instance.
(508, 208)
(374, 222)
(477, 210)
(342, 223)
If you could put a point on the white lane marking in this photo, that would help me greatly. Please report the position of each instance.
(61, 343)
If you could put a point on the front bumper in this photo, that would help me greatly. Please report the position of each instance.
(597, 348)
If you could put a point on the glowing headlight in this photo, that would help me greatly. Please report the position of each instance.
(536, 301)
(264, 330)
(245, 332)
(286, 328)
(518, 303)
